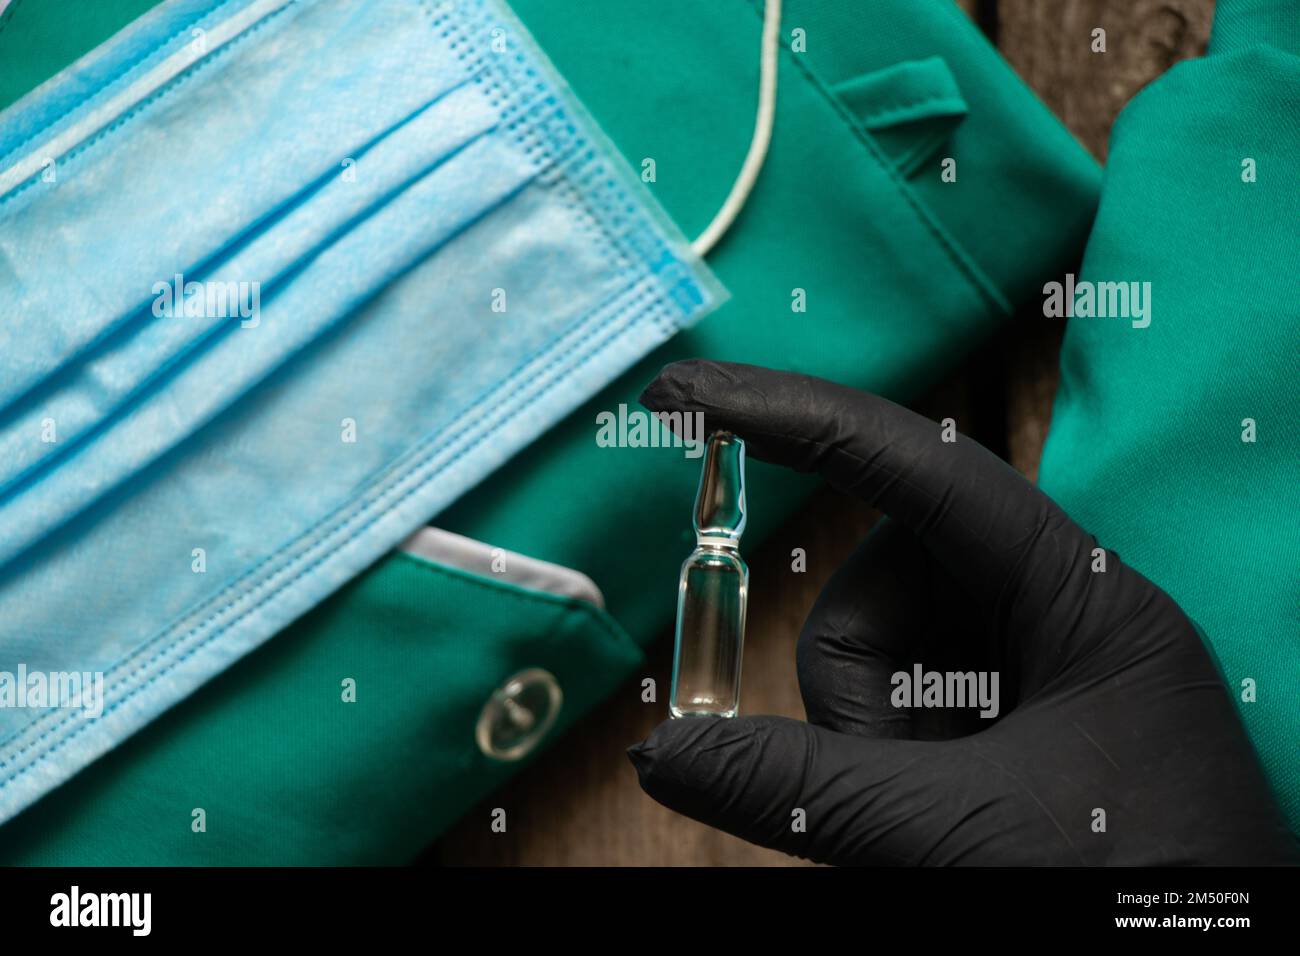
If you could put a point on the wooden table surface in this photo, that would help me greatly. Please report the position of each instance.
(580, 804)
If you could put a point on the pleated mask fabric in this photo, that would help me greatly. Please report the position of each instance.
(279, 280)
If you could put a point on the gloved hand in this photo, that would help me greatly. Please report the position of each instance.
(1109, 701)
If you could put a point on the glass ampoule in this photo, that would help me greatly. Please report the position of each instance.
(713, 589)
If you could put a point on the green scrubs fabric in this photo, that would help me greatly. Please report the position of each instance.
(1178, 445)
(854, 259)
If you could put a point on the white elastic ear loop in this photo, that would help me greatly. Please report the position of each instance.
(744, 184)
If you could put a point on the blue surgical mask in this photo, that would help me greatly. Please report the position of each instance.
(279, 280)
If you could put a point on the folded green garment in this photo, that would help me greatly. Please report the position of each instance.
(1178, 444)
(856, 259)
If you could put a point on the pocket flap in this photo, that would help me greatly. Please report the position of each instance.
(910, 107)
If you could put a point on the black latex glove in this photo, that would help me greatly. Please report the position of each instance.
(1108, 698)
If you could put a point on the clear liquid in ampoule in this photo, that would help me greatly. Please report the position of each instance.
(713, 590)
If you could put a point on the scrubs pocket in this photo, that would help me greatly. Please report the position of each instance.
(461, 679)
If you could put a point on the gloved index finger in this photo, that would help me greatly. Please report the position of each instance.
(982, 519)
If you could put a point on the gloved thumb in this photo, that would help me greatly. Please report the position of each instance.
(794, 787)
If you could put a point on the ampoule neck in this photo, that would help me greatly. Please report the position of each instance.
(719, 516)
